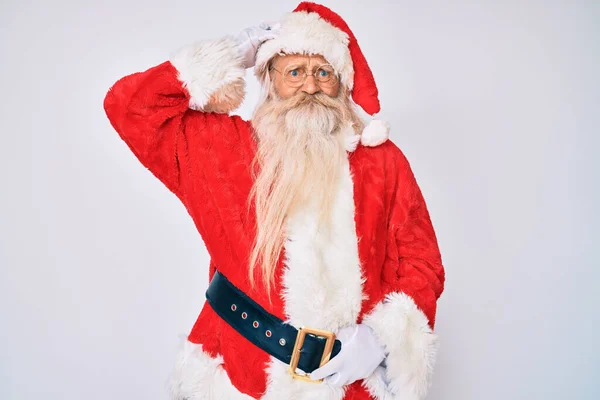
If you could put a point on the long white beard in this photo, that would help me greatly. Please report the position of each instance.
(300, 149)
(300, 157)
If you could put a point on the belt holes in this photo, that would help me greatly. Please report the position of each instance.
(233, 307)
(255, 324)
(268, 333)
(244, 315)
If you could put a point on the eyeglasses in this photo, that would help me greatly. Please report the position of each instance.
(295, 76)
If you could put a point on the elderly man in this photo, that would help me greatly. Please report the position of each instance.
(325, 269)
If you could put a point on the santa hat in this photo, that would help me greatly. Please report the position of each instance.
(315, 29)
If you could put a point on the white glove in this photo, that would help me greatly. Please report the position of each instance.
(250, 39)
(360, 355)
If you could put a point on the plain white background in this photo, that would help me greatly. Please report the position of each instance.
(496, 105)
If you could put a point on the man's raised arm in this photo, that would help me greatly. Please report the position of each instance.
(149, 109)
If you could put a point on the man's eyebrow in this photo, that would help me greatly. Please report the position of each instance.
(296, 64)
(305, 65)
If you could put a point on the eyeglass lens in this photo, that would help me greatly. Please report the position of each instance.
(325, 74)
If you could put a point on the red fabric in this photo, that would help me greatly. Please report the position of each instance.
(364, 92)
(204, 159)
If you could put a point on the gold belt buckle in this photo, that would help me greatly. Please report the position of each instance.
(302, 331)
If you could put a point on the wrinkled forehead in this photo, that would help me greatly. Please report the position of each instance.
(283, 60)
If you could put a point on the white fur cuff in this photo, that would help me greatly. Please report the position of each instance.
(412, 346)
(213, 73)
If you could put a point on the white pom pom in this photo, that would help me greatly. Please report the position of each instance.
(375, 133)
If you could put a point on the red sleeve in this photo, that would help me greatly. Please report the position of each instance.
(404, 318)
(420, 273)
(147, 109)
(175, 119)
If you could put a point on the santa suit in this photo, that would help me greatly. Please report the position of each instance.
(380, 266)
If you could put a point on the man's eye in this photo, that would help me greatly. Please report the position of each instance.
(294, 72)
(322, 72)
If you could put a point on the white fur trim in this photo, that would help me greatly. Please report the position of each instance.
(281, 385)
(198, 376)
(324, 264)
(375, 133)
(377, 385)
(351, 142)
(411, 345)
(304, 32)
(351, 138)
(208, 68)
(322, 285)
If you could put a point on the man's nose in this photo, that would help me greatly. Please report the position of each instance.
(310, 85)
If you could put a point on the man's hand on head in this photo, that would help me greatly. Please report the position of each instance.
(250, 39)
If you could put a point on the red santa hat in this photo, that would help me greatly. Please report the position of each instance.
(315, 29)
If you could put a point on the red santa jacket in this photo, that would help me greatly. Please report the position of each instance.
(381, 266)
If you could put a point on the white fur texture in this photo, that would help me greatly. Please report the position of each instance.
(322, 277)
(351, 142)
(281, 385)
(198, 376)
(208, 66)
(375, 133)
(403, 328)
(304, 32)
(351, 138)
(377, 385)
(322, 285)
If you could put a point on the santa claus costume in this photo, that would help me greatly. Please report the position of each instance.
(381, 265)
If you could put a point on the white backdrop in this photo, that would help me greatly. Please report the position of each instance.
(496, 105)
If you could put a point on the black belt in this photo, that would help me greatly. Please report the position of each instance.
(264, 329)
